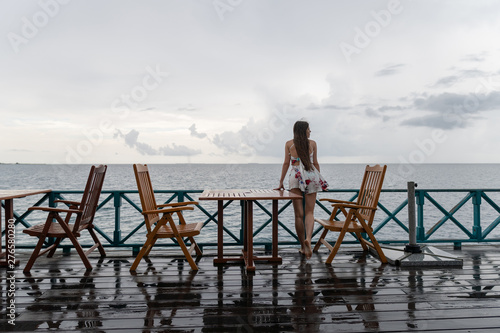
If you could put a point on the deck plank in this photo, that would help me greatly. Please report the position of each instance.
(355, 294)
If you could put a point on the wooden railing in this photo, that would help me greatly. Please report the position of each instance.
(443, 216)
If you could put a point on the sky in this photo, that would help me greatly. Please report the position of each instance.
(223, 81)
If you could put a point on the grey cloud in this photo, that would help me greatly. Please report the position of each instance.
(187, 108)
(229, 142)
(460, 75)
(379, 112)
(21, 150)
(453, 110)
(448, 121)
(441, 102)
(178, 150)
(263, 137)
(131, 140)
(242, 142)
(390, 108)
(327, 106)
(471, 73)
(462, 103)
(390, 70)
(195, 133)
(372, 113)
(145, 149)
(447, 81)
(474, 57)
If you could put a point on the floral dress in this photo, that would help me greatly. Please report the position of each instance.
(307, 181)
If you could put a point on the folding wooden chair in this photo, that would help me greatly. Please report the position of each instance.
(164, 226)
(59, 228)
(358, 215)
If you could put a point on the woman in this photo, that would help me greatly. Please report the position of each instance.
(305, 179)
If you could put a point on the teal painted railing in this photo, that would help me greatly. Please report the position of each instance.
(474, 216)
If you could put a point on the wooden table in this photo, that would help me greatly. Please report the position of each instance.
(248, 197)
(8, 196)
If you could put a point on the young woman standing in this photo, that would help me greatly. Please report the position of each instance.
(305, 179)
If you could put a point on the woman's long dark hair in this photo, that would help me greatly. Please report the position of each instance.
(301, 143)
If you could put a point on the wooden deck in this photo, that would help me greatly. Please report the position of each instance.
(355, 294)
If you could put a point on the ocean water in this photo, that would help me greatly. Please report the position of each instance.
(265, 176)
(259, 176)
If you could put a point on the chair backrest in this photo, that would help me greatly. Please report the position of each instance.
(146, 194)
(90, 198)
(370, 189)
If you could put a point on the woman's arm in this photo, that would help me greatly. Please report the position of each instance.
(315, 154)
(284, 168)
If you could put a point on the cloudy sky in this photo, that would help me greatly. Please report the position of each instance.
(223, 81)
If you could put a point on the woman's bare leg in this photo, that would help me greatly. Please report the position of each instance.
(299, 219)
(309, 222)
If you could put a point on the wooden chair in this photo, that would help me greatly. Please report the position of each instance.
(59, 228)
(164, 226)
(358, 215)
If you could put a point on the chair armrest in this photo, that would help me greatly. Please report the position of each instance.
(55, 209)
(69, 202)
(336, 201)
(353, 205)
(176, 204)
(168, 210)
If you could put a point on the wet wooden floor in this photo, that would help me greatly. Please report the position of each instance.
(355, 294)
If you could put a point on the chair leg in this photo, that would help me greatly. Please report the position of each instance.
(138, 258)
(146, 248)
(318, 244)
(54, 247)
(196, 247)
(150, 246)
(80, 251)
(96, 240)
(377, 247)
(361, 241)
(336, 247)
(35, 254)
(188, 256)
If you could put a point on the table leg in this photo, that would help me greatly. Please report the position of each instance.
(249, 231)
(245, 226)
(1, 252)
(220, 232)
(275, 229)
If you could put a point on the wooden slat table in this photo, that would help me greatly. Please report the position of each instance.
(8, 196)
(248, 197)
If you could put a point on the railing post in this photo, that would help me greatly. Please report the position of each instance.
(412, 247)
(117, 234)
(420, 196)
(476, 229)
(52, 198)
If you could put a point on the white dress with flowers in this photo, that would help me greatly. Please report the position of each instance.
(307, 181)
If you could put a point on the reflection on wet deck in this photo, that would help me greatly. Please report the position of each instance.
(355, 294)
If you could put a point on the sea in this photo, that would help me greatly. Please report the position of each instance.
(266, 176)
